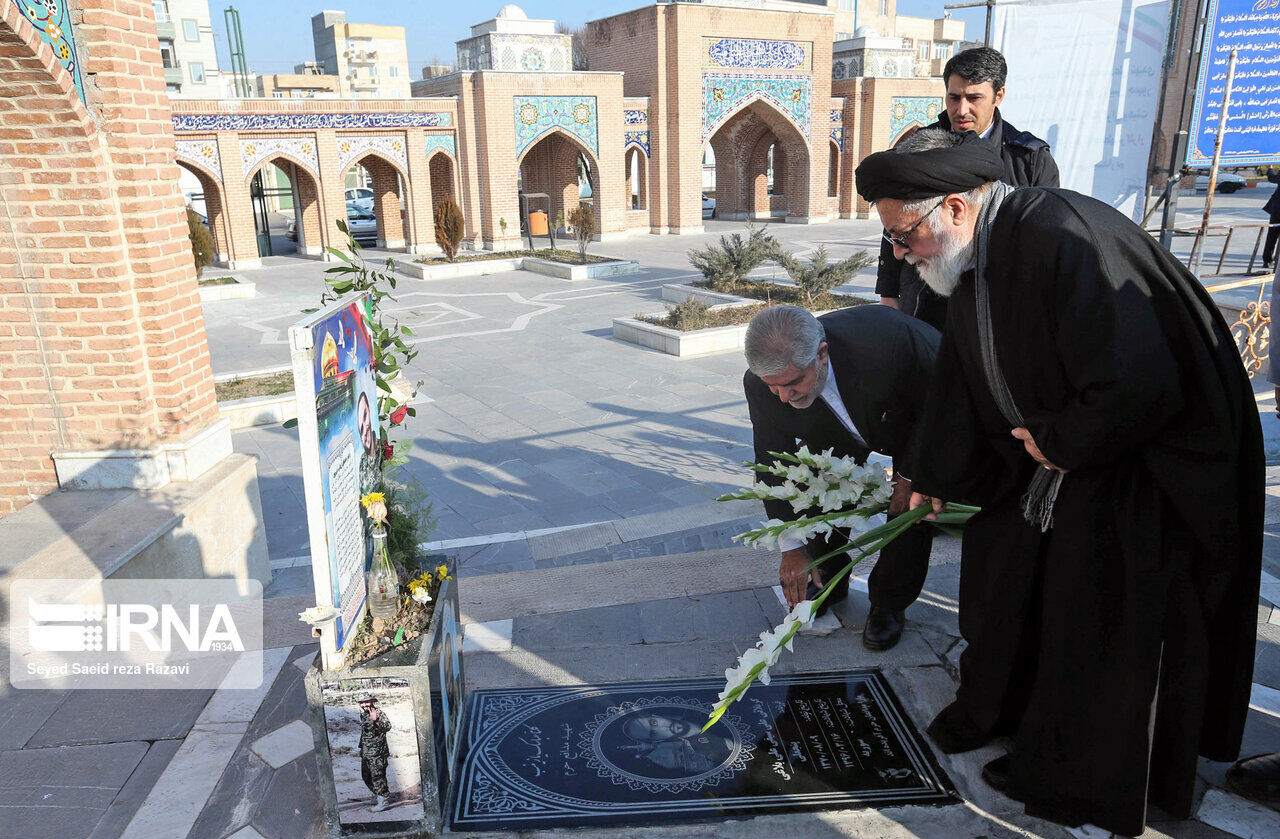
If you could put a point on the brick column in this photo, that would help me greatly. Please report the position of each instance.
(420, 236)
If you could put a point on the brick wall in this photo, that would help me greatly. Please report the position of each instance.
(103, 338)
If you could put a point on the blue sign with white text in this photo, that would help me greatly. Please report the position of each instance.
(1252, 135)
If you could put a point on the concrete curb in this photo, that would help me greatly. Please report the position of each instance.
(230, 291)
(689, 344)
(547, 267)
(259, 410)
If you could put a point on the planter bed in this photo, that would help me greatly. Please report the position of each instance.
(688, 344)
(259, 410)
(474, 265)
(211, 291)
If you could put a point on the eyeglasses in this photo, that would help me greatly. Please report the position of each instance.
(901, 241)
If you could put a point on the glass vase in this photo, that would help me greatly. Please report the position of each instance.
(383, 582)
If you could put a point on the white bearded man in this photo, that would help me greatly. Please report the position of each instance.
(1088, 397)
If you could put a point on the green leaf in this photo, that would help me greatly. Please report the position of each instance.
(406, 331)
(292, 423)
(383, 386)
(340, 255)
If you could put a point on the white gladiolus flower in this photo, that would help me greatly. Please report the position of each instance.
(420, 595)
(802, 613)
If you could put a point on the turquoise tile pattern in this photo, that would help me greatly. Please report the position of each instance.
(52, 19)
(536, 115)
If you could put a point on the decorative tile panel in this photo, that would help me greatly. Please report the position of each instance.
(723, 93)
(837, 115)
(203, 153)
(440, 142)
(635, 117)
(536, 115)
(279, 122)
(300, 149)
(907, 110)
(52, 19)
(639, 139)
(837, 136)
(750, 53)
(351, 149)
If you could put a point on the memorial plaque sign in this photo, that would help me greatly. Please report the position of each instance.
(634, 753)
(333, 374)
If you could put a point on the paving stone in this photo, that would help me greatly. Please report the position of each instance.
(236, 797)
(291, 809)
(565, 542)
(284, 744)
(608, 626)
(1237, 816)
(285, 701)
(489, 637)
(671, 621)
(178, 796)
(109, 716)
(288, 582)
(136, 789)
(246, 832)
(63, 792)
(1183, 829)
(731, 616)
(22, 712)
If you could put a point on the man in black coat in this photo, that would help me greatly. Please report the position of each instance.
(975, 87)
(1089, 398)
(1272, 208)
(853, 380)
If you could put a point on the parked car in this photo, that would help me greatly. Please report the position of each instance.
(1228, 182)
(362, 224)
(708, 206)
(291, 230)
(362, 197)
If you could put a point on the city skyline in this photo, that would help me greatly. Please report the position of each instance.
(284, 28)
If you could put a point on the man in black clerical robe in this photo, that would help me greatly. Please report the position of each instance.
(974, 79)
(858, 386)
(1089, 397)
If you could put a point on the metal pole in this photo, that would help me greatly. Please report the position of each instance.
(991, 5)
(1178, 144)
(1217, 156)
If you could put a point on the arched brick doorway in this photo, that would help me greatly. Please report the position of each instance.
(440, 170)
(762, 165)
(271, 202)
(564, 169)
(215, 211)
(390, 199)
(637, 179)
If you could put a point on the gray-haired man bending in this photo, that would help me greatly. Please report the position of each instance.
(853, 380)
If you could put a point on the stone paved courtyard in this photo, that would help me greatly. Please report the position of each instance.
(574, 477)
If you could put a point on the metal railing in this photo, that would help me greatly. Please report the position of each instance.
(1228, 232)
(1252, 329)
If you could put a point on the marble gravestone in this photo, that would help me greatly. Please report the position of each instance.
(633, 753)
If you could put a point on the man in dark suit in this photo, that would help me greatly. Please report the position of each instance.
(975, 87)
(1272, 207)
(854, 381)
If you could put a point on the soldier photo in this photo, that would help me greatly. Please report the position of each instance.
(374, 753)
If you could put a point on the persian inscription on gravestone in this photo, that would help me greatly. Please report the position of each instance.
(635, 753)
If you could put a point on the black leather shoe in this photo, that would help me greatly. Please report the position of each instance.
(883, 629)
(1256, 777)
(839, 593)
(996, 773)
(954, 732)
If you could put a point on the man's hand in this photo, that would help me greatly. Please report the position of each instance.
(900, 502)
(793, 576)
(1029, 443)
(938, 504)
(891, 302)
(373, 714)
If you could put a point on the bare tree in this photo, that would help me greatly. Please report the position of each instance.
(579, 42)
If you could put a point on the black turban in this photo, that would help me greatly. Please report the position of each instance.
(911, 176)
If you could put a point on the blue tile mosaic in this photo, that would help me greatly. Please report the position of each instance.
(639, 139)
(441, 142)
(837, 136)
(52, 19)
(536, 115)
(635, 117)
(723, 93)
(277, 122)
(836, 115)
(906, 111)
(750, 53)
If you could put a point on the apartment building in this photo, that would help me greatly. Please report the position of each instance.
(370, 61)
(187, 49)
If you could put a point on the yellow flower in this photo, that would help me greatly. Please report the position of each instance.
(442, 572)
(370, 497)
